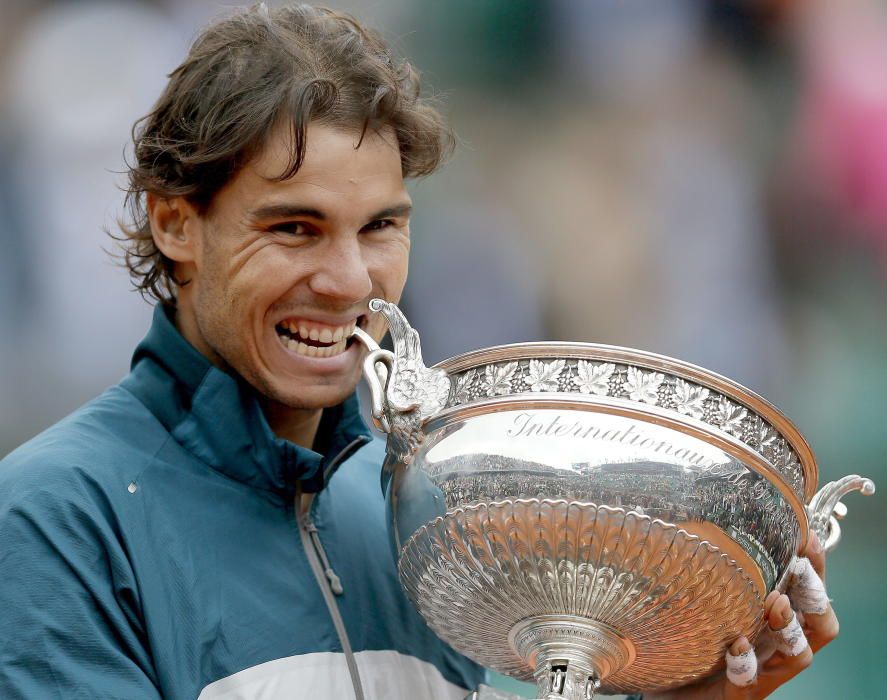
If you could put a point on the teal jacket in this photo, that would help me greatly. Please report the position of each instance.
(149, 548)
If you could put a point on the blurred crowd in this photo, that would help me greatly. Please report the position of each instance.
(702, 178)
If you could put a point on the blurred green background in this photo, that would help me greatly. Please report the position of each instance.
(704, 179)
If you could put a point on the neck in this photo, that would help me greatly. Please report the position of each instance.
(296, 425)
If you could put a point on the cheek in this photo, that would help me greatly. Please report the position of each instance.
(267, 276)
(388, 268)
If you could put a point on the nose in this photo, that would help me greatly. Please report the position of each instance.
(341, 272)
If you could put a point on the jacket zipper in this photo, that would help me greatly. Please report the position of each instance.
(334, 581)
(329, 582)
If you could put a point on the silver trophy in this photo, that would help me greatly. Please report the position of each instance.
(589, 517)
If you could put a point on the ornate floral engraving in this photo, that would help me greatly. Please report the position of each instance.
(690, 399)
(776, 453)
(791, 468)
(730, 417)
(594, 377)
(766, 436)
(643, 386)
(497, 378)
(463, 386)
(633, 384)
(543, 376)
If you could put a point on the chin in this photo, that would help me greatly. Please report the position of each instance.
(313, 397)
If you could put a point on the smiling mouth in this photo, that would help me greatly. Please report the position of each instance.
(315, 340)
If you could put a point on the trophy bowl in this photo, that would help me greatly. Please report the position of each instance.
(589, 517)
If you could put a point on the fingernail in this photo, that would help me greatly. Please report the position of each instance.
(815, 545)
(787, 614)
(740, 646)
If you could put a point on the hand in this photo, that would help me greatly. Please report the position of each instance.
(782, 653)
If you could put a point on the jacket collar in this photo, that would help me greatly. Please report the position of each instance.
(216, 416)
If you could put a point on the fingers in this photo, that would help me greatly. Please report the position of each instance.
(767, 642)
(806, 590)
(808, 596)
(748, 675)
(791, 639)
(814, 553)
(821, 629)
(794, 653)
(742, 664)
(787, 647)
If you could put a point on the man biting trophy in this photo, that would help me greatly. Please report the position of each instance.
(213, 526)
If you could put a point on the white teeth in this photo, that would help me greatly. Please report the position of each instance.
(343, 332)
(312, 350)
(324, 334)
(338, 336)
(337, 349)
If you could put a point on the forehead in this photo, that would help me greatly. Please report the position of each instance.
(335, 168)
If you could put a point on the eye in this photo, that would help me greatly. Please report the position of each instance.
(379, 225)
(293, 228)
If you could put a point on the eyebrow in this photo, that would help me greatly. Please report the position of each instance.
(284, 211)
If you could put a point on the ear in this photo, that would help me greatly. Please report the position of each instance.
(175, 224)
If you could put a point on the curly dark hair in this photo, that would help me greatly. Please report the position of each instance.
(244, 76)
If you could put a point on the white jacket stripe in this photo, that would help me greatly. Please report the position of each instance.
(386, 675)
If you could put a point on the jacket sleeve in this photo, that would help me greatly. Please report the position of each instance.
(68, 604)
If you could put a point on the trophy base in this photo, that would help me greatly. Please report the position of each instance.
(485, 692)
(632, 602)
(571, 655)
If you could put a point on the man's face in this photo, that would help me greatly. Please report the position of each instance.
(284, 270)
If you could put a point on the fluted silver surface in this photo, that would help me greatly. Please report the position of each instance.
(476, 572)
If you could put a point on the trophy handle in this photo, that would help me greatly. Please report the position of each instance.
(377, 368)
(825, 508)
(404, 392)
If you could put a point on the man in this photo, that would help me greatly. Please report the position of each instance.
(212, 526)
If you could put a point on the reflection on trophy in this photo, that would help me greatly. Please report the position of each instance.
(590, 517)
